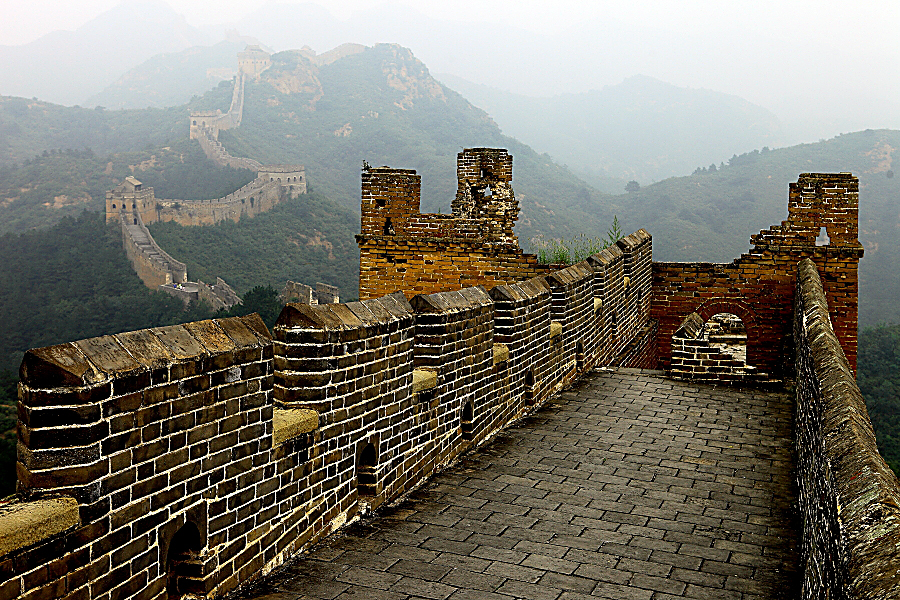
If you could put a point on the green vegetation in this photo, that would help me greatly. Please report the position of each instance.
(74, 282)
(878, 376)
(307, 239)
(571, 251)
(68, 283)
(59, 183)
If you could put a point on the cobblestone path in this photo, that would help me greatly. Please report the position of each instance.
(628, 486)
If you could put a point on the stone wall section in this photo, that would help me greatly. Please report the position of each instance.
(694, 358)
(849, 497)
(759, 286)
(204, 455)
(153, 433)
(151, 263)
(216, 152)
(259, 196)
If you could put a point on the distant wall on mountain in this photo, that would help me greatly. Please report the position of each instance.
(274, 184)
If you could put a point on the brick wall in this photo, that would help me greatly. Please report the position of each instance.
(151, 432)
(198, 457)
(759, 286)
(403, 250)
(849, 497)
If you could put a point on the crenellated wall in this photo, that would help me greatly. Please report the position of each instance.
(404, 250)
(273, 185)
(151, 263)
(197, 458)
(849, 497)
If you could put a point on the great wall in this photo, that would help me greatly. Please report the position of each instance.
(192, 460)
(134, 206)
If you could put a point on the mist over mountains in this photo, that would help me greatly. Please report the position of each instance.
(642, 129)
(67, 67)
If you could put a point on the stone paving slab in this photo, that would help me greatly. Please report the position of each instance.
(627, 486)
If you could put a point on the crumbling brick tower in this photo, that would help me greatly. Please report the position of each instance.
(403, 250)
(759, 286)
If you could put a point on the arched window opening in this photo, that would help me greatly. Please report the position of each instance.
(114, 205)
(822, 239)
(252, 201)
(487, 191)
(182, 560)
(579, 356)
(366, 466)
(135, 221)
(195, 122)
(466, 418)
(614, 323)
(726, 332)
(388, 227)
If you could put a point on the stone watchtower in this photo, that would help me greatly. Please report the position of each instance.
(484, 191)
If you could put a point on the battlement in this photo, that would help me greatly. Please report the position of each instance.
(194, 459)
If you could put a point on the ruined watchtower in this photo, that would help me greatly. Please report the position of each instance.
(759, 286)
(402, 249)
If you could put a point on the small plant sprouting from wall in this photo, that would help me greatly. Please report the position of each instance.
(576, 249)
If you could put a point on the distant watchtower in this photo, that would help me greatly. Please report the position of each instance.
(253, 61)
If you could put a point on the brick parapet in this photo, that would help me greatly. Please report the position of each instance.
(173, 429)
(849, 497)
(148, 431)
(403, 250)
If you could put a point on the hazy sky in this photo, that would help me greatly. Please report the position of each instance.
(870, 23)
(831, 64)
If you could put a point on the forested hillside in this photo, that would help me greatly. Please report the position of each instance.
(710, 215)
(307, 239)
(878, 375)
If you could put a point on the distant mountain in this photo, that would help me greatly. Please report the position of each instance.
(68, 67)
(172, 79)
(642, 129)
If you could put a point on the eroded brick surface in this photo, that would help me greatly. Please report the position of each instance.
(627, 486)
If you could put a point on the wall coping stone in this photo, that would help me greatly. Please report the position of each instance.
(868, 492)
(288, 423)
(24, 524)
(94, 360)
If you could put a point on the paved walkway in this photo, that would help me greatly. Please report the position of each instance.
(628, 486)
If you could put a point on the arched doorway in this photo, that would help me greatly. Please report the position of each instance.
(726, 332)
